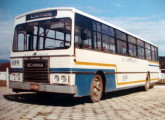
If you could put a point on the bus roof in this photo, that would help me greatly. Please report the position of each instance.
(87, 15)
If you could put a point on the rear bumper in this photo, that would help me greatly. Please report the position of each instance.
(43, 87)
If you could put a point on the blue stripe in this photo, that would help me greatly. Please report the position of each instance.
(69, 70)
(83, 82)
(78, 70)
(110, 82)
(154, 65)
(62, 69)
(16, 69)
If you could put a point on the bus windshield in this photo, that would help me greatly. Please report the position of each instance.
(43, 35)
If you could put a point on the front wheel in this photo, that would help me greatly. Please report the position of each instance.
(96, 88)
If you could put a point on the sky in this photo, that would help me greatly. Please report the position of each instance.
(144, 18)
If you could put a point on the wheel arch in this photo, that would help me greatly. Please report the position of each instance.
(101, 73)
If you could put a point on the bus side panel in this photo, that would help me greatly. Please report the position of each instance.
(83, 83)
(110, 82)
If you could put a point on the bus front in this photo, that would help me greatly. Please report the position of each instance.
(43, 52)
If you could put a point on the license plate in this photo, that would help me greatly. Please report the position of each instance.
(34, 87)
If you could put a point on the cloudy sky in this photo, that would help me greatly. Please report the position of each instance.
(144, 18)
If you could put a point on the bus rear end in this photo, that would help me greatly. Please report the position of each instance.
(43, 52)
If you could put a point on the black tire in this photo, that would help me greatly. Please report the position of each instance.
(96, 88)
(147, 83)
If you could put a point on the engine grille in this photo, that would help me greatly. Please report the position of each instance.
(36, 71)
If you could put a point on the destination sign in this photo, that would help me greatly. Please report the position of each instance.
(41, 15)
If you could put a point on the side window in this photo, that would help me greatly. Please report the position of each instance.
(94, 40)
(99, 41)
(112, 45)
(88, 41)
(105, 43)
(132, 45)
(77, 36)
(140, 52)
(121, 47)
(140, 44)
(120, 35)
(94, 25)
(111, 31)
(105, 29)
(83, 34)
(121, 42)
(132, 50)
(131, 39)
(83, 38)
(148, 51)
(98, 27)
(156, 52)
(98, 36)
(108, 30)
(21, 39)
(153, 53)
(148, 54)
(108, 43)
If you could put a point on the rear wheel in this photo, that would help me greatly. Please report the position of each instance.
(96, 88)
(147, 83)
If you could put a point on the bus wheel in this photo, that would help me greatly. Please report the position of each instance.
(96, 88)
(147, 83)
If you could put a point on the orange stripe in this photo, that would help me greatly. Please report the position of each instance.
(112, 65)
(153, 62)
(98, 64)
(133, 82)
(95, 64)
(154, 79)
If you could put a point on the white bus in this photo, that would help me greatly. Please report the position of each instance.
(64, 50)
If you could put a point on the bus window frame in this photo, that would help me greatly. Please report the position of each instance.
(16, 34)
(94, 29)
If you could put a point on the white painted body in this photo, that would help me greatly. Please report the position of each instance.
(129, 71)
(128, 67)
